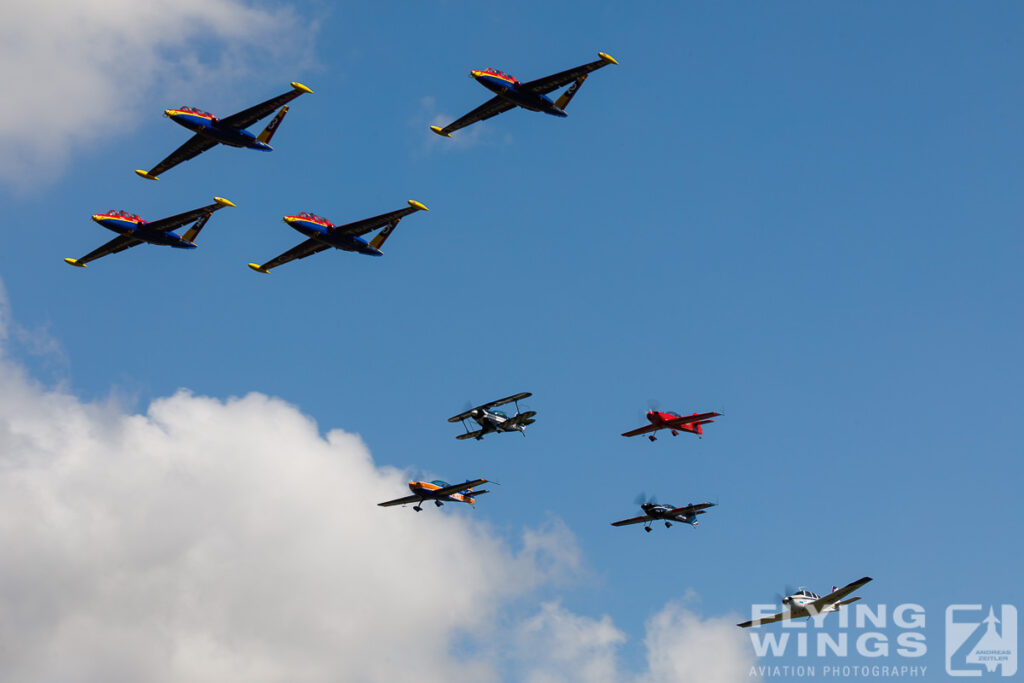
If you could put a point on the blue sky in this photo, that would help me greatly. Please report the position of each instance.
(802, 215)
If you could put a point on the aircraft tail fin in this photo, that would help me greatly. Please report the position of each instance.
(697, 426)
(382, 236)
(193, 232)
(271, 128)
(563, 101)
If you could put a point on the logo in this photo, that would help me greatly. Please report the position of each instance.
(977, 644)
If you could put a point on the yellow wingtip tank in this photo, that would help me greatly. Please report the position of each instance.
(145, 175)
(300, 87)
(437, 129)
(607, 57)
(74, 262)
(259, 269)
(223, 202)
(416, 205)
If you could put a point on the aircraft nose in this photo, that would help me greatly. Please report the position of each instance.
(96, 217)
(168, 112)
(475, 74)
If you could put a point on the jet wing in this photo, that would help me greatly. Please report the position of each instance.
(119, 243)
(642, 430)
(458, 488)
(400, 501)
(687, 509)
(194, 146)
(835, 596)
(369, 224)
(307, 248)
(492, 107)
(247, 117)
(690, 419)
(545, 85)
(633, 520)
(173, 222)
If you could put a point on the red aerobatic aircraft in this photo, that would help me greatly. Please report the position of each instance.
(673, 421)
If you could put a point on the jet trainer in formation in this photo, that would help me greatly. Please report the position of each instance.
(495, 420)
(532, 95)
(440, 492)
(231, 130)
(804, 603)
(323, 235)
(133, 231)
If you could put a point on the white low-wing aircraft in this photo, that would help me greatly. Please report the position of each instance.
(804, 603)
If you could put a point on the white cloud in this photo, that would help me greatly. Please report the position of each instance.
(79, 72)
(209, 540)
(683, 647)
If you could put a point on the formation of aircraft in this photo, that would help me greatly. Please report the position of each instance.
(509, 93)
(495, 420)
(440, 492)
(230, 130)
(686, 514)
(804, 603)
(133, 231)
(323, 235)
(532, 95)
(674, 422)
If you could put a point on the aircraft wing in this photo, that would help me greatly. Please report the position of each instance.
(507, 399)
(642, 430)
(545, 85)
(366, 225)
(173, 222)
(307, 248)
(400, 501)
(633, 520)
(795, 613)
(687, 509)
(247, 117)
(458, 488)
(470, 435)
(119, 243)
(690, 419)
(194, 146)
(835, 596)
(492, 107)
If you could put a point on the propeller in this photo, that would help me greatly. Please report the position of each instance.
(642, 498)
(781, 599)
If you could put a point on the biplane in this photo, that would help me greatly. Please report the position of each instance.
(440, 492)
(532, 95)
(674, 422)
(804, 603)
(686, 514)
(495, 420)
(230, 130)
(133, 231)
(324, 234)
